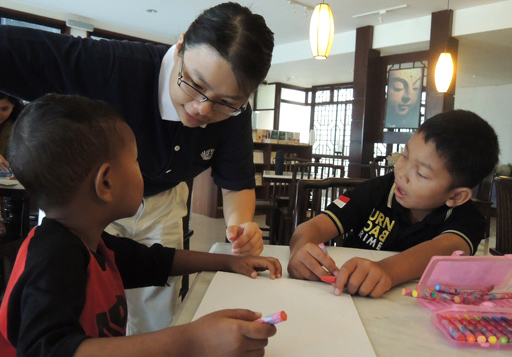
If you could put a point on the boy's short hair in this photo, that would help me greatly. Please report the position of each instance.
(57, 141)
(467, 143)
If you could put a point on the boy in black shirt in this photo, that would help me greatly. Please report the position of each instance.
(422, 209)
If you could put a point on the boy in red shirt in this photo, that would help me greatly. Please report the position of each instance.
(77, 159)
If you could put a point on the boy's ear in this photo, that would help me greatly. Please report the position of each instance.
(459, 196)
(103, 183)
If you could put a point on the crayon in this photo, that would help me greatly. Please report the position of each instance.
(322, 246)
(423, 294)
(487, 335)
(458, 299)
(331, 279)
(406, 292)
(507, 321)
(481, 337)
(477, 295)
(499, 335)
(447, 289)
(470, 337)
(483, 329)
(274, 318)
(442, 296)
(497, 296)
(507, 335)
(478, 335)
(452, 329)
(502, 323)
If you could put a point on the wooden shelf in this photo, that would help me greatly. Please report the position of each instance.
(207, 197)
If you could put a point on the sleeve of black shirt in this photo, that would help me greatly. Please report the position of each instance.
(139, 265)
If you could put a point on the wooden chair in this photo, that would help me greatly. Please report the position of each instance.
(377, 170)
(313, 196)
(269, 206)
(503, 216)
(482, 200)
(300, 171)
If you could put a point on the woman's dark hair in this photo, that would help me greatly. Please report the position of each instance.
(467, 143)
(57, 141)
(18, 105)
(240, 37)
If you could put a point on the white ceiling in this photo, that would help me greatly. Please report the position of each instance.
(290, 24)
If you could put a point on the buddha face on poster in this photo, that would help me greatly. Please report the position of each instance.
(404, 98)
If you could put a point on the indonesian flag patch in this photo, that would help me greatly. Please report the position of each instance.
(341, 201)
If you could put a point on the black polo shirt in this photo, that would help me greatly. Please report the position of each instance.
(373, 219)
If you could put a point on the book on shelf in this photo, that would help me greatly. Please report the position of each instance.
(258, 157)
(258, 178)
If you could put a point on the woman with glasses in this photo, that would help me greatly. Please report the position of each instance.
(188, 107)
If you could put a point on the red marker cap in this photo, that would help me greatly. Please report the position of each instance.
(329, 279)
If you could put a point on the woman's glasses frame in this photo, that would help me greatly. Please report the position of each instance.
(195, 94)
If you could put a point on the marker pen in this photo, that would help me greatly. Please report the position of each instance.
(322, 246)
(331, 279)
(274, 318)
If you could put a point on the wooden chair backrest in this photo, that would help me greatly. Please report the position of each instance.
(377, 170)
(503, 216)
(313, 196)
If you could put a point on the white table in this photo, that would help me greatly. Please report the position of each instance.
(396, 325)
(271, 174)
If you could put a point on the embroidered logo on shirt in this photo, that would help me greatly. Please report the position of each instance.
(207, 154)
(341, 201)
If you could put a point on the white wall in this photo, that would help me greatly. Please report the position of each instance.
(494, 104)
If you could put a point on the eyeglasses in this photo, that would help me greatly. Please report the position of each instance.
(200, 97)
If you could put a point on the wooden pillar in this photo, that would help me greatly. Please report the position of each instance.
(366, 118)
(441, 40)
(277, 106)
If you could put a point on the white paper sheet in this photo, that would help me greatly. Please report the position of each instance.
(319, 323)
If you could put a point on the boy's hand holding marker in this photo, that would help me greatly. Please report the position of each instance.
(327, 263)
(273, 319)
(355, 276)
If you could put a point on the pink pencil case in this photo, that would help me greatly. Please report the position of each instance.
(469, 273)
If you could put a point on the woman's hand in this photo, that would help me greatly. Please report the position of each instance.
(247, 238)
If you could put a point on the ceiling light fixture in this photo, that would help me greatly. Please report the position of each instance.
(444, 72)
(321, 31)
(306, 7)
(380, 12)
(444, 66)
